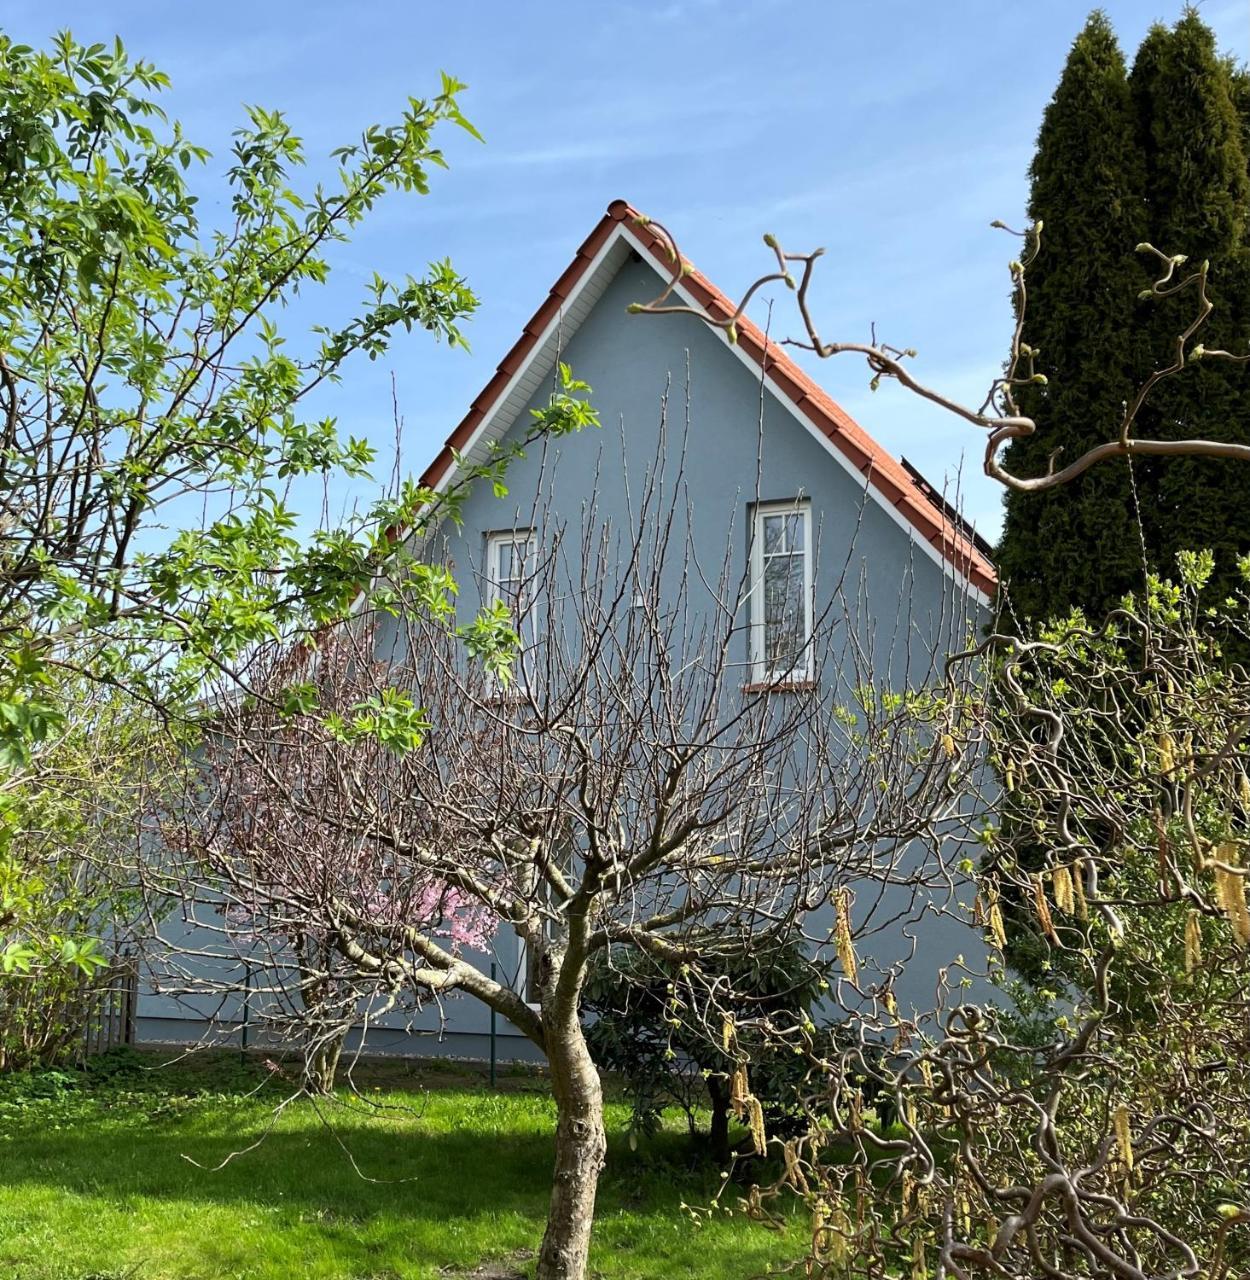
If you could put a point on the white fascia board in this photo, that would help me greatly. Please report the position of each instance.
(490, 423)
(861, 480)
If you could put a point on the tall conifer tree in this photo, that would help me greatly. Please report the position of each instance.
(1079, 545)
(1158, 156)
(1198, 203)
(1239, 86)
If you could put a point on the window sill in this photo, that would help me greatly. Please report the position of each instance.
(503, 701)
(779, 686)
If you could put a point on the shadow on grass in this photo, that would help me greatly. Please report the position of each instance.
(393, 1161)
(451, 1178)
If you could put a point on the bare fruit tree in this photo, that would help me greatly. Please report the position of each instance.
(626, 788)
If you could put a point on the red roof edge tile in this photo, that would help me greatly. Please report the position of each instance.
(883, 472)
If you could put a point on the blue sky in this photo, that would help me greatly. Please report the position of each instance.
(891, 135)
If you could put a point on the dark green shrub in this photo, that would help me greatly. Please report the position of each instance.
(663, 1034)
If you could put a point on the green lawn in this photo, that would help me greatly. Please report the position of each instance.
(96, 1183)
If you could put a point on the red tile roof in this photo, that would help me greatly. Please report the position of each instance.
(882, 471)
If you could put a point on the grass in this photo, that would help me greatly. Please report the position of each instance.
(97, 1181)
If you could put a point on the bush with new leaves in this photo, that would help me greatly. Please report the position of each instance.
(1104, 1129)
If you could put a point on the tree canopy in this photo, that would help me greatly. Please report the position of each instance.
(154, 418)
(149, 400)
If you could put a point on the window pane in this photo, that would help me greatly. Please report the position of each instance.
(512, 560)
(794, 532)
(774, 534)
(784, 613)
(504, 569)
(510, 563)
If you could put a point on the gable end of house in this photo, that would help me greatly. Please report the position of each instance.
(623, 232)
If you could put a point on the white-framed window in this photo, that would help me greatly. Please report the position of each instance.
(509, 578)
(781, 592)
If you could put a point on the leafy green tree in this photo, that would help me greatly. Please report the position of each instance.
(1158, 156)
(153, 419)
(150, 406)
(69, 903)
(1082, 320)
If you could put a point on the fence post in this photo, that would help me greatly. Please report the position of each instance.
(132, 1000)
(247, 1009)
(492, 1031)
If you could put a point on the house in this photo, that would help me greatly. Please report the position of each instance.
(783, 483)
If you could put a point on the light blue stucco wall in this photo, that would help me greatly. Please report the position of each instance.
(901, 604)
(630, 361)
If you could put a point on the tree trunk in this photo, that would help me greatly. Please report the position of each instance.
(325, 1047)
(581, 1147)
(321, 1063)
(718, 1132)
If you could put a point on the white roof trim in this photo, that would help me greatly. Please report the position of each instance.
(491, 425)
(861, 480)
